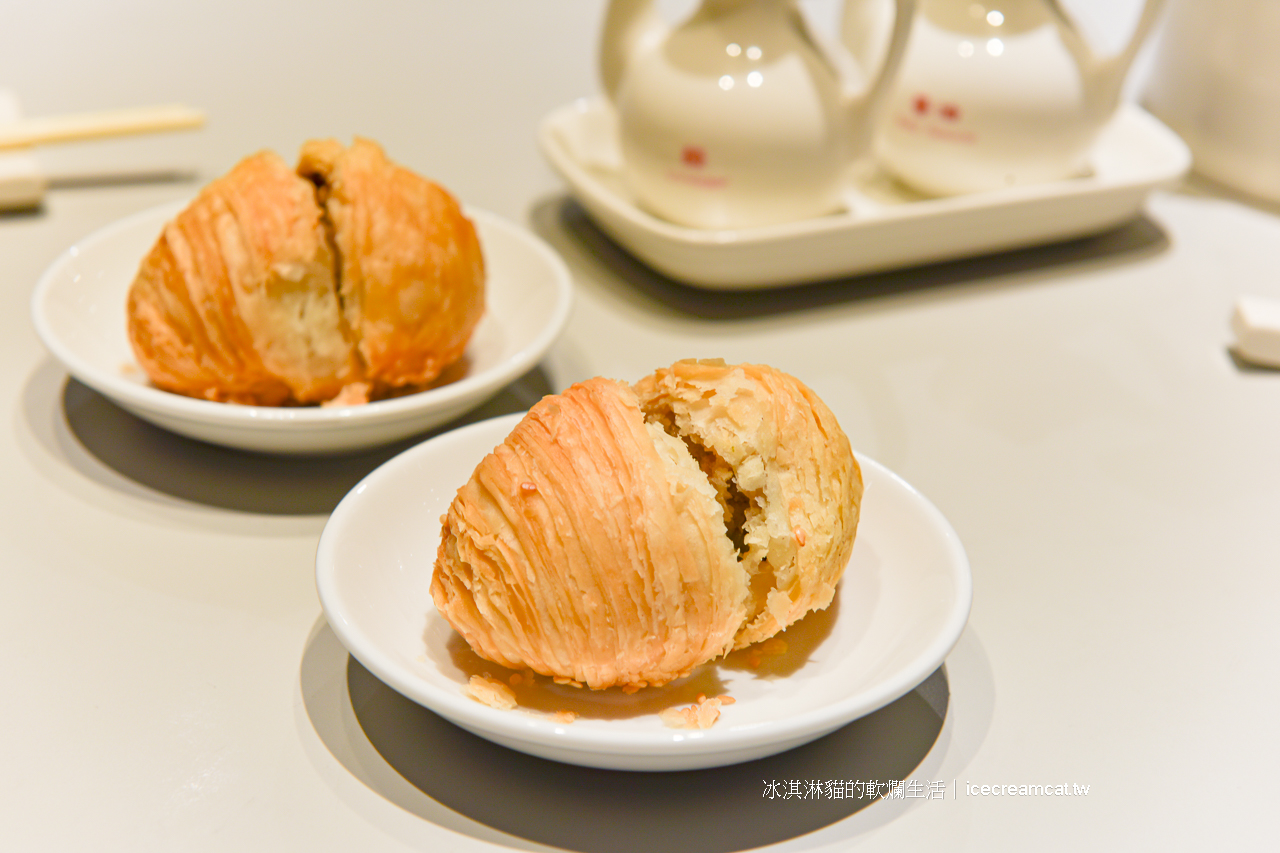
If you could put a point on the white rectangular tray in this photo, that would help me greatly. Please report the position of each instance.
(885, 225)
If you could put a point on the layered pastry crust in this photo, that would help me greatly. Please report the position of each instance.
(623, 535)
(345, 280)
(410, 268)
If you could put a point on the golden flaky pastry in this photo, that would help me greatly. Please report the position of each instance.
(347, 279)
(623, 535)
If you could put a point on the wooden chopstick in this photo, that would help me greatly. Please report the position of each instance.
(28, 132)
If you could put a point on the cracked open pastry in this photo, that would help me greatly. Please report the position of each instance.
(347, 279)
(622, 535)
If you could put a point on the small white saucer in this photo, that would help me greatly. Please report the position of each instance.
(899, 609)
(885, 226)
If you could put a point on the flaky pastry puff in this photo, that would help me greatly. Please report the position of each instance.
(623, 535)
(236, 302)
(783, 470)
(411, 271)
(345, 280)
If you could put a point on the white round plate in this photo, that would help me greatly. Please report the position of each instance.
(79, 310)
(900, 608)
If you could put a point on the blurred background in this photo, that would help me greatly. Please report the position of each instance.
(49, 53)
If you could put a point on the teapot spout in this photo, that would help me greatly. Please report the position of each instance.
(629, 26)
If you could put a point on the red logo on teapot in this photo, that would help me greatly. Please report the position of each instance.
(693, 155)
(938, 120)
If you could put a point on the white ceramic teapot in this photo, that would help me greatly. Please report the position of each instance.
(737, 117)
(999, 93)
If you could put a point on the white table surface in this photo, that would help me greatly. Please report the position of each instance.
(170, 682)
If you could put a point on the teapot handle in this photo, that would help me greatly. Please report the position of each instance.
(628, 26)
(871, 29)
(878, 53)
(1107, 73)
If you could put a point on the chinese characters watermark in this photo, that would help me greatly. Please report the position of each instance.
(906, 789)
(853, 789)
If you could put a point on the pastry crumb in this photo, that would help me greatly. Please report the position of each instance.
(352, 394)
(524, 678)
(772, 647)
(700, 715)
(564, 716)
(488, 690)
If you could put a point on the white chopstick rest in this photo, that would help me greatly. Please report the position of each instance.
(22, 185)
(1256, 323)
(24, 133)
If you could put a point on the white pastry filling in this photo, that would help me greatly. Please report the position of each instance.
(741, 491)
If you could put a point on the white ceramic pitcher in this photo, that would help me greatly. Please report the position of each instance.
(1216, 81)
(737, 117)
(999, 93)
